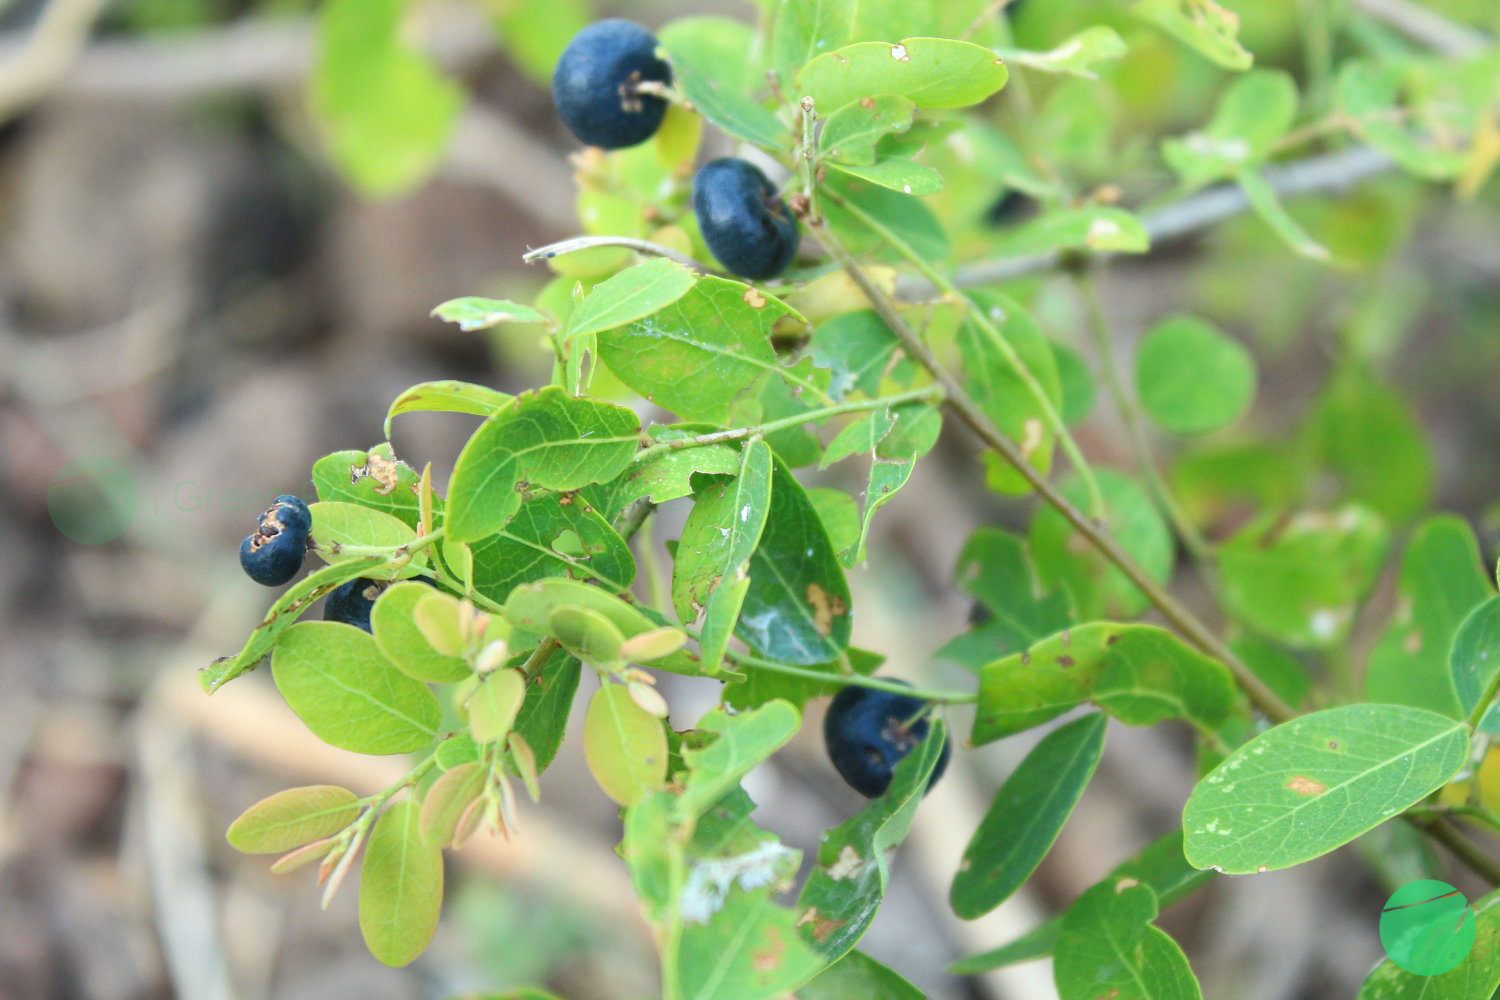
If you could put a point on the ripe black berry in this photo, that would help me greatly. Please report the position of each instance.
(594, 84)
(273, 553)
(867, 732)
(743, 220)
(351, 602)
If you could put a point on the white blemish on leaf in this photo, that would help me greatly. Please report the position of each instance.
(745, 513)
(709, 882)
(847, 865)
(898, 53)
(1101, 230)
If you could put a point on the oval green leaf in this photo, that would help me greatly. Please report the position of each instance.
(448, 396)
(1475, 658)
(1313, 784)
(401, 639)
(333, 676)
(1026, 816)
(631, 295)
(400, 887)
(1191, 378)
(625, 746)
(494, 705)
(292, 818)
(930, 72)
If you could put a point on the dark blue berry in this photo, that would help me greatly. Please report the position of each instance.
(743, 220)
(1011, 207)
(594, 84)
(351, 602)
(868, 732)
(273, 553)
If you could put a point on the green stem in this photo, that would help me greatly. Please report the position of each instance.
(1476, 813)
(1465, 850)
(852, 680)
(807, 158)
(761, 430)
(981, 320)
(1483, 705)
(1130, 415)
(1187, 624)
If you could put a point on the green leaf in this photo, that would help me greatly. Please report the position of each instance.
(1107, 946)
(1092, 227)
(1443, 578)
(292, 818)
(1099, 589)
(531, 606)
(625, 746)
(995, 569)
(549, 537)
(1300, 579)
(1192, 379)
(669, 476)
(1478, 975)
(888, 474)
(1308, 786)
(997, 385)
(1026, 816)
(806, 28)
(494, 705)
(857, 348)
(1203, 25)
(1475, 658)
(1371, 96)
(1075, 55)
(284, 613)
(743, 742)
(897, 174)
(849, 134)
(796, 609)
(384, 109)
(631, 295)
(857, 976)
(711, 575)
(1367, 439)
(335, 524)
(933, 73)
(1253, 112)
(587, 634)
(400, 887)
(1077, 384)
(548, 440)
(708, 65)
(695, 356)
(447, 801)
(474, 313)
(448, 396)
(333, 676)
(1140, 674)
(375, 479)
(402, 642)
(1267, 204)
(1159, 865)
(844, 891)
(749, 950)
(839, 514)
(859, 436)
(905, 215)
(549, 698)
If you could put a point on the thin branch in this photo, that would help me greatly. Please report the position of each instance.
(44, 58)
(1196, 212)
(1186, 623)
(1462, 848)
(577, 243)
(1422, 24)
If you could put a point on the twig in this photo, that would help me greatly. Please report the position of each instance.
(1425, 25)
(1330, 172)
(47, 53)
(1188, 624)
(1445, 833)
(630, 243)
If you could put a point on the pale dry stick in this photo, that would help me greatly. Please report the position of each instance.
(576, 243)
(1427, 26)
(1194, 213)
(1186, 623)
(43, 59)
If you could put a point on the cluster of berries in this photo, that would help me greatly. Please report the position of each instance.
(273, 553)
(606, 87)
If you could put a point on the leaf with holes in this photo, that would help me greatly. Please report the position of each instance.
(849, 134)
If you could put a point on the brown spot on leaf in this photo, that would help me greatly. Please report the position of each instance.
(1306, 786)
(753, 298)
(768, 959)
(1065, 661)
(822, 927)
(868, 103)
(383, 470)
(1413, 643)
(825, 607)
